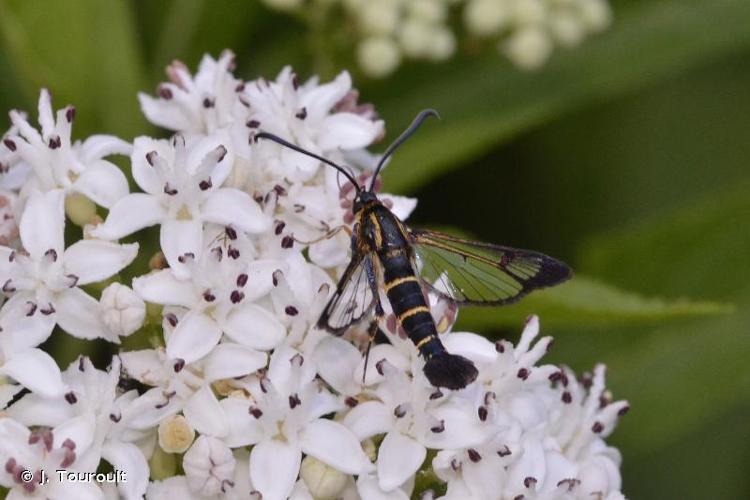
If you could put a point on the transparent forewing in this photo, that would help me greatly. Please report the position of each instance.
(471, 272)
(352, 301)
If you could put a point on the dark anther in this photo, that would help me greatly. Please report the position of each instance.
(287, 242)
(554, 377)
(51, 254)
(31, 308)
(294, 401)
(242, 280)
(230, 232)
(436, 395)
(529, 482)
(597, 428)
(489, 396)
(115, 418)
(567, 398)
(279, 227)
(50, 309)
(208, 296)
(351, 402)
(571, 483)
(81, 363)
(10, 465)
(171, 319)
(499, 347)
(9, 144)
(252, 124)
(69, 444)
(54, 142)
(291, 310)
(298, 208)
(164, 92)
(7, 287)
(504, 452)
(438, 428)
(623, 411)
(70, 114)
(150, 157)
(474, 455)
(255, 411)
(179, 365)
(71, 398)
(399, 411)
(564, 379)
(482, 412)
(169, 190)
(184, 257)
(206, 184)
(279, 189)
(302, 114)
(226, 483)
(236, 296)
(295, 81)
(523, 373)
(379, 366)
(233, 253)
(73, 280)
(208, 103)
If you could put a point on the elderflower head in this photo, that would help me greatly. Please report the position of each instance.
(239, 386)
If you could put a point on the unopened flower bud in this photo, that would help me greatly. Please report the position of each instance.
(378, 56)
(80, 209)
(528, 48)
(209, 465)
(486, 17)
(123, 311)
(379, 18)
(415, 37)
(175, 434)
(368, 446)
(323, 481)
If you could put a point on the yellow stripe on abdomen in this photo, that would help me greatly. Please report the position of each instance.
(411, 312)
(398, 281)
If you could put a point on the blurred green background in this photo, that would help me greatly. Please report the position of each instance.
(627, 157)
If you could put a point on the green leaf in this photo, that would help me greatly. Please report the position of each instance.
(586, 302)
(85, 52)
(485, 102)
(700, 249)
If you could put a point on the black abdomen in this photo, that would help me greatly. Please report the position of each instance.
(408, 303)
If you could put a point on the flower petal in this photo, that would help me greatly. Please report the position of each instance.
(162, 287)
(144, 173)
(348, 131)
(103, 183)
(471, 345)
(19, 330)
(243, 429)
(230, 360)
(127, 457)
(204, 413)
(229, 206)
(194, 337)
(43, 223)
(399, 458)
(92, 260)
(78, 429)
(179, 238)
(320, 99)
(368, 419)
(101, 145)
(337, 360)
(334, 444)
(130, 214)
(255, 327)
(78, 314)
(37, 371)
(369, 489)
(274, 466)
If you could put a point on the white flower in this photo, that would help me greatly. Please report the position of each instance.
(220, 294)
(8, 223)
(58, 163)
(31, 368)
(123, 311)
(283, 419)
(43, 281)
(201, 103)
(45, 450)
(182, 180)
(92, 396)
(305, 115)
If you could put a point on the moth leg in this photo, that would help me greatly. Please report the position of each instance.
(372, 332)
(328, 234)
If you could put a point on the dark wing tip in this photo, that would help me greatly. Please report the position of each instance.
(450, 371)
(552, 272)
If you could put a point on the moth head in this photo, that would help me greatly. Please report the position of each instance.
(362, 199)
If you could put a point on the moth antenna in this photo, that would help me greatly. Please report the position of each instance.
(285, 143)
(421, 117)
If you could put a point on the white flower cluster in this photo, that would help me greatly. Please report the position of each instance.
(526, 31)
(242, 397)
